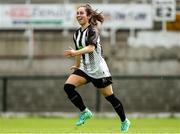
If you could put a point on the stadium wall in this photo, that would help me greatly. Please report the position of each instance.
(144, 95)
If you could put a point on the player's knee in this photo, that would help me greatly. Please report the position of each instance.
(69, 89)
(113, 100)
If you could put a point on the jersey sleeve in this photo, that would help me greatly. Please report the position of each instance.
(92, 37)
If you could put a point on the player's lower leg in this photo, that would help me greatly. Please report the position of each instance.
(117, 105)
(76, 99)
(74, 96)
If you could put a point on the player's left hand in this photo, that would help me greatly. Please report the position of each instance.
(74, 68)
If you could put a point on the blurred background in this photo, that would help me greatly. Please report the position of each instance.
(141, 42)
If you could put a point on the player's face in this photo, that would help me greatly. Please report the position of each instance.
(81, 16)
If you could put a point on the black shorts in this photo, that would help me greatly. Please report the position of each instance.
(99, 83)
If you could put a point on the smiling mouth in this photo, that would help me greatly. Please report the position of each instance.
(79, 19)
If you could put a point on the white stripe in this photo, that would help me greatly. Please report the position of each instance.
(84, 38)
(78, 38)
(83, 41)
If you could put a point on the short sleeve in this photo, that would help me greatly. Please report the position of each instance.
(92, 37)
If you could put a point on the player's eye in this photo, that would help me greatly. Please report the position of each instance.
(80, 13)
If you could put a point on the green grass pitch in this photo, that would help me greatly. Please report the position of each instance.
(36, 125)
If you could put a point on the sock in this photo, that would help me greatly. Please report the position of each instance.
(74, 96)
(117, 105)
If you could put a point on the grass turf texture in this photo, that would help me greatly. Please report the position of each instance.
(93, 126)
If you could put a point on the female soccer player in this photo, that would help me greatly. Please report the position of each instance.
(90, 66)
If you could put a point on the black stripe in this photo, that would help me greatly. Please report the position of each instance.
(86, 37)
(101, 52)
(75, 35)
(74, 39)
(80, 40)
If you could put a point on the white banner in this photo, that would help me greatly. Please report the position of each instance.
(119, 16)
(38, 16)
(125, 16)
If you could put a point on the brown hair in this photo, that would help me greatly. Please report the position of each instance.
(95, 16)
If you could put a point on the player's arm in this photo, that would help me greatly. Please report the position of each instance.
(72, 52)
(85, 50)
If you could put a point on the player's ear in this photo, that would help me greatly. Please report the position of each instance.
(89, 17)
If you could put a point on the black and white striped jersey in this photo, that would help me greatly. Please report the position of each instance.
(93, 64)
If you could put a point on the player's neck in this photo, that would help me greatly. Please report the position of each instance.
(84, 26)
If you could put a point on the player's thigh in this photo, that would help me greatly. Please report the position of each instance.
(106, 91)
(76, 80)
